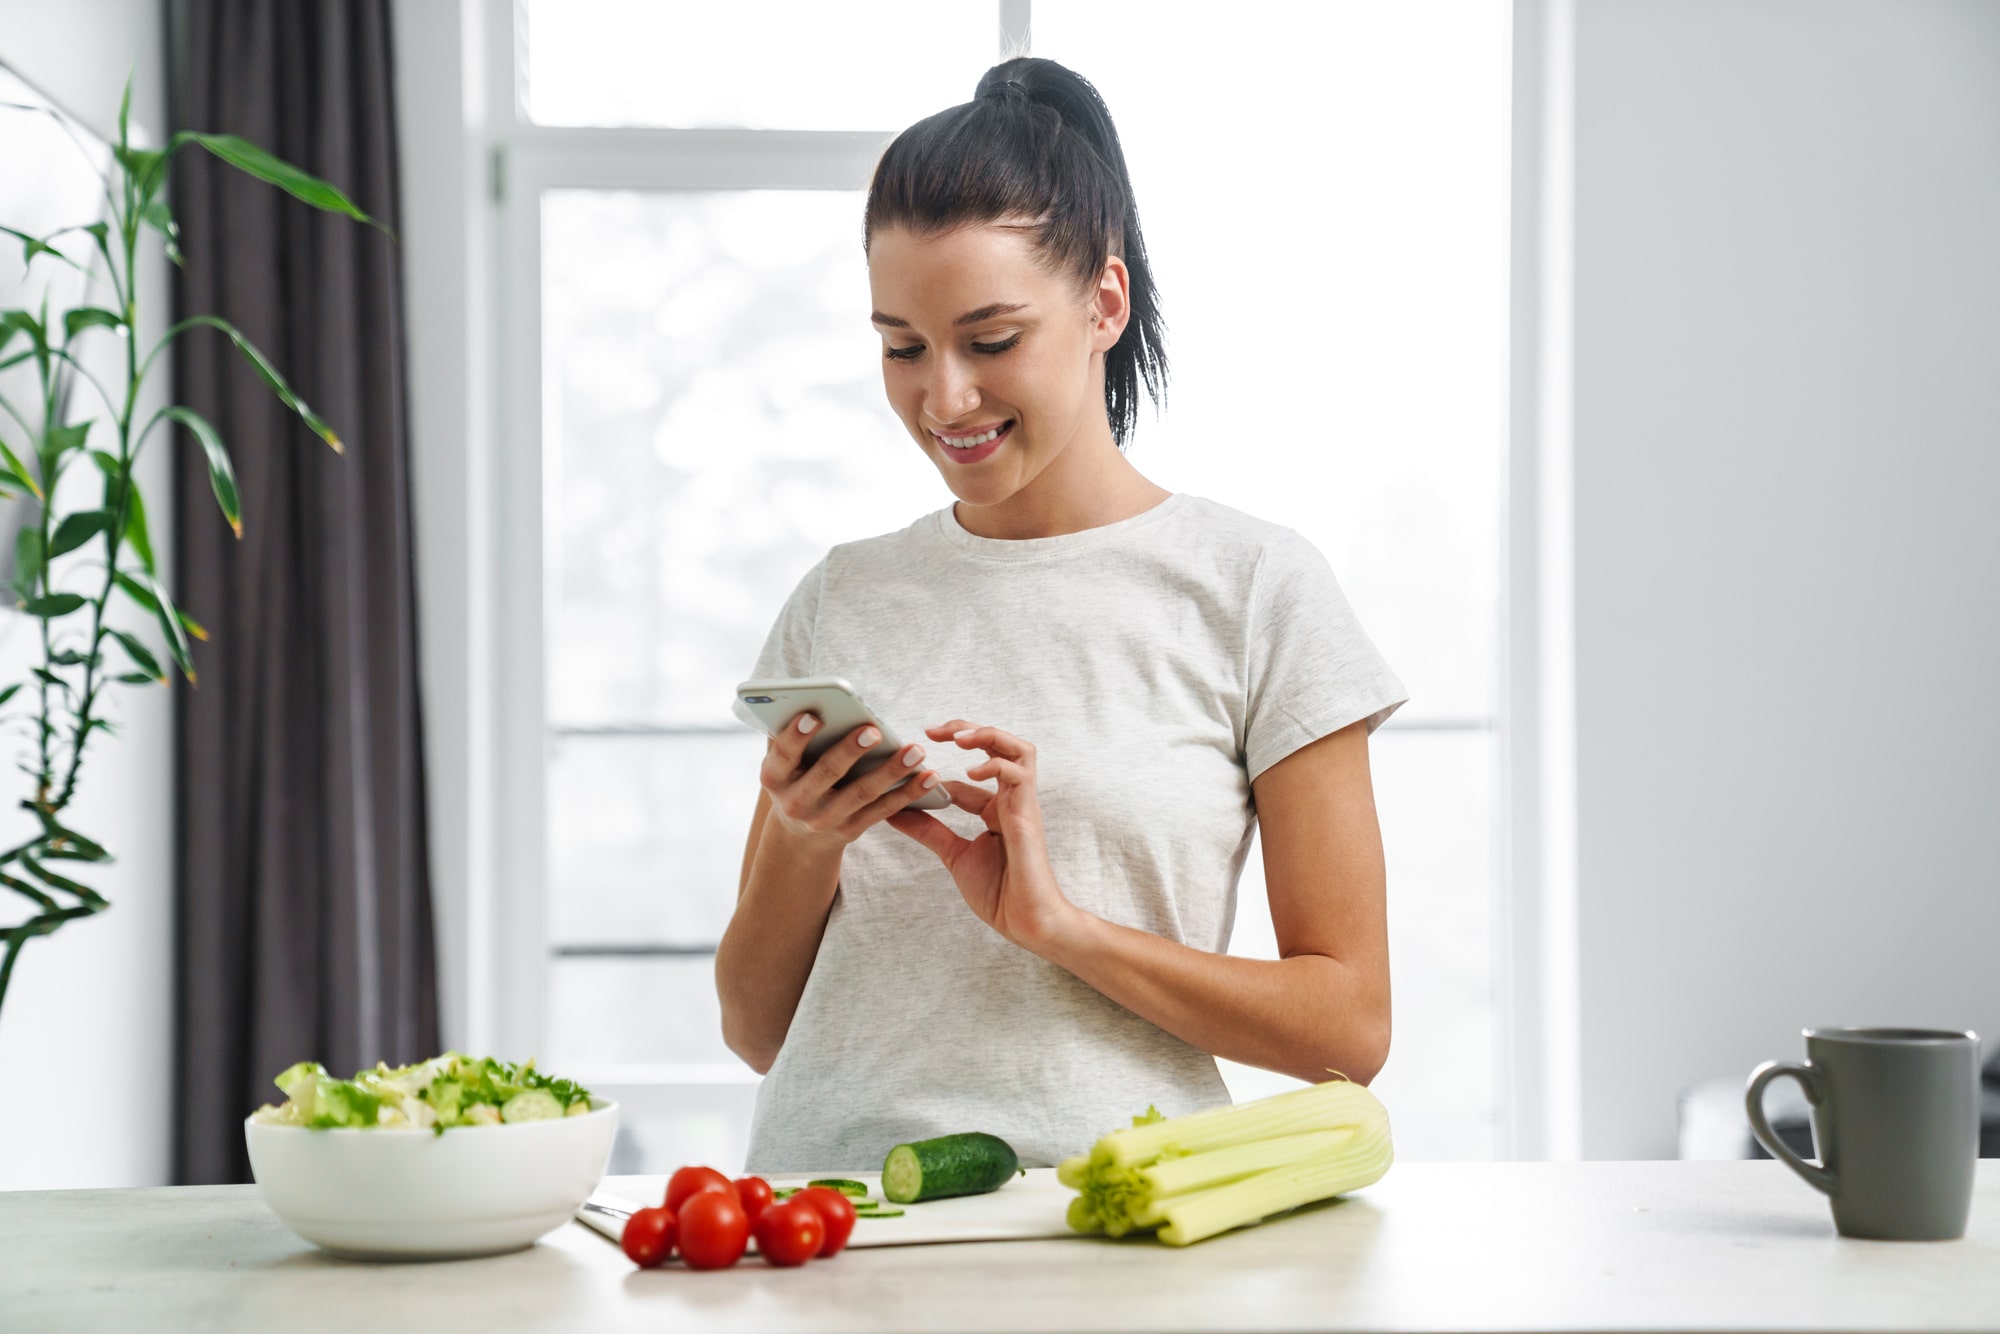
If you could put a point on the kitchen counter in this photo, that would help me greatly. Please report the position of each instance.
(1502, 1246)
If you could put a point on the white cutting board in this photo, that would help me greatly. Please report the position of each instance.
(1027, 1207)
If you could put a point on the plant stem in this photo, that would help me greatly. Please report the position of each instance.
(128, 231)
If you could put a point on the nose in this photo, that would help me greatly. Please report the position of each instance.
(950, 393)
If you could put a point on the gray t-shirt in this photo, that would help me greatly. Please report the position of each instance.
(1158, 664)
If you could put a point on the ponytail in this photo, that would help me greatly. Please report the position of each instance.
(1037, 142)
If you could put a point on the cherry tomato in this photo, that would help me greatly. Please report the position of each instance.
(755, 1193)
(835, 1210)
(790, 1233)
(714, 1230)
(649, 1237)
(692, 1181)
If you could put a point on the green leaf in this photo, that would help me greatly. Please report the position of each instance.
(32, 246)
(146, 167)
(63, 439)
(19, 470)
(141, 655)
(53, 605)
(246, 156)
(168, 617)
(50, 678)
(27, 560)
(139, 593)
(76, 529)
(221, 476)
(9, 692)
(270, 376)
(137, 679)
(70, 657)
(86, 317)
(136, 534)
(22, 321)
(125, 107)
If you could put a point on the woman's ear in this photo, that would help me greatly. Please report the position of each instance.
(1110, 305)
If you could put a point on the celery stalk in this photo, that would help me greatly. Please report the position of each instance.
(1173, 1176)
(1204, 1213)
(1194, 1176)
(1326, 1106)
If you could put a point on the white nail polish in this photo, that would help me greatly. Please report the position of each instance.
(912, 757)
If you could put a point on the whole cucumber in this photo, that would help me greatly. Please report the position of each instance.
(929, 1169)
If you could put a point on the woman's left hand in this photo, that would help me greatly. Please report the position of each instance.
(1004, 874)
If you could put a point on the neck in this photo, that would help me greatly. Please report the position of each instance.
(1088, 485)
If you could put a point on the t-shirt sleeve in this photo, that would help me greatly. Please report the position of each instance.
(1312, 668)
(788, 647)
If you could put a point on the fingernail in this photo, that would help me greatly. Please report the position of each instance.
(962, 735)
(930, 782)
(868, 737)
(807, 722)
(914, 754)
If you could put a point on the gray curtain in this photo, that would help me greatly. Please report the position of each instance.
(304, 914)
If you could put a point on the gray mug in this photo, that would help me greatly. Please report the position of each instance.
(1895, 1117)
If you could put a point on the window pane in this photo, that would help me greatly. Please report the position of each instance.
(773, 65)
(718, 422)
(1435, 792)
(1334, 279)
(646, 835)
(634, 1012)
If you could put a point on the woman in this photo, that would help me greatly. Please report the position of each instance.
(1142, 674)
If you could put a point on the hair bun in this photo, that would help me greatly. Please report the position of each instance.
(996, 91)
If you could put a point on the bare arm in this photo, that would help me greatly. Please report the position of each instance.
(799, 833)
(767, 952)
(1324, 1004)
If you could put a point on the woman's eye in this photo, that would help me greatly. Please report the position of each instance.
(902, 353)
(993, 348)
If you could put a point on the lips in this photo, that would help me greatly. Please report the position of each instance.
(957, 454)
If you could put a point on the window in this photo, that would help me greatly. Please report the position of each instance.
(694, 414)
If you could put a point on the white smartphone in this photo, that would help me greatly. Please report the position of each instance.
(840, 711)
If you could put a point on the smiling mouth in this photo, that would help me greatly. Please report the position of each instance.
(976, 438)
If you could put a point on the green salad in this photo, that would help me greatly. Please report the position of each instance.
(445, 1091)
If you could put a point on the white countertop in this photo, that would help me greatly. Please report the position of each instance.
(1503, 1246)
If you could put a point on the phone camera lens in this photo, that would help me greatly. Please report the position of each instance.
(756, 699)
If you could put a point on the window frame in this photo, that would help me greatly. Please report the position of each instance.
(509, 950)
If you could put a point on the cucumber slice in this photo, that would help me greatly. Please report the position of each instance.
(878, 1213)
(930, 1169)
(853, 1190)
(532, 1105)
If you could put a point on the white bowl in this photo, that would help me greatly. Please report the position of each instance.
(414, 1194)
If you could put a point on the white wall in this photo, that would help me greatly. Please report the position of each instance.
(440, 107)
(1786, 472)
(91, 1007)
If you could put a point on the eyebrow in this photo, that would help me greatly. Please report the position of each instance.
(970, 317)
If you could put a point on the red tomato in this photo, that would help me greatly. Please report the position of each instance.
(790, 1233)
(755, 1193)
(692, 1181)
(714, 1230)
(835, 1210)
(649, 1237)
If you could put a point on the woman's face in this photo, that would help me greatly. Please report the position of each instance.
(978, 338)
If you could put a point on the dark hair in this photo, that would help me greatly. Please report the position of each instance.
(1036, 141)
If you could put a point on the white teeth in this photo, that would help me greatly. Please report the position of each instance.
(971, 441)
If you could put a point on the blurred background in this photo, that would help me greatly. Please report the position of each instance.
(1644, 351)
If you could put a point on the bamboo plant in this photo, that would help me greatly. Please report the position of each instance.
(115, 556)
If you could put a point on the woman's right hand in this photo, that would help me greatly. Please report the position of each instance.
(804, 801)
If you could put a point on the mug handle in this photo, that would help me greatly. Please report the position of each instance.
(1815, 1176)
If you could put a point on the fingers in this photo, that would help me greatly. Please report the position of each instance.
(1007, 771)
(992, 740)
(967, 797)
(875, 804)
